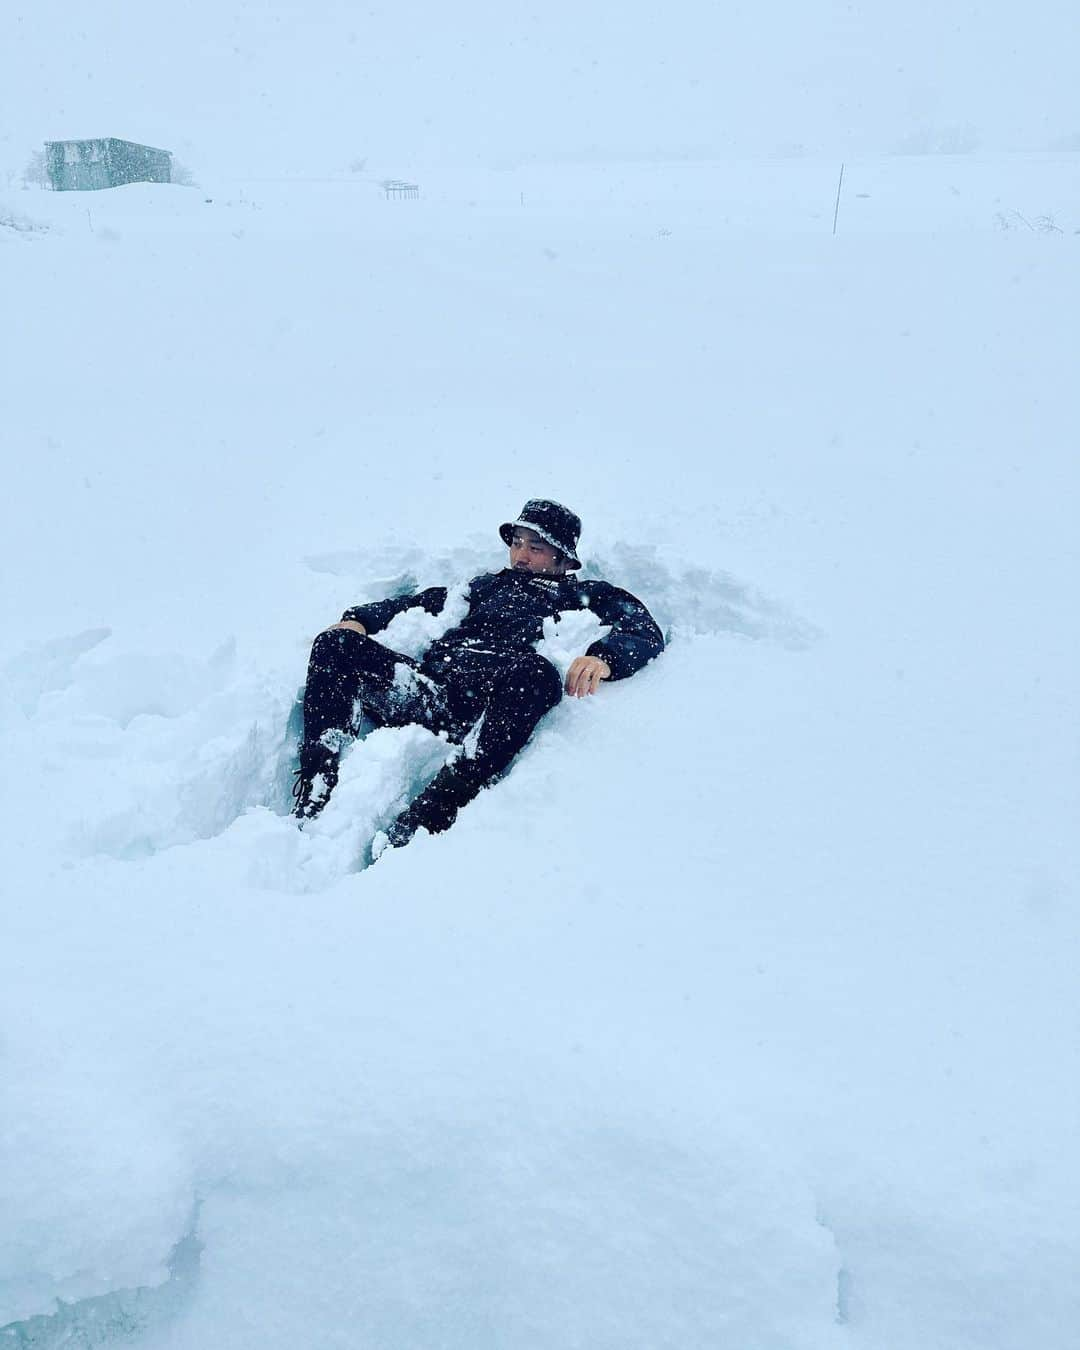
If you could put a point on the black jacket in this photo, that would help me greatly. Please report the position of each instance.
(506, 617)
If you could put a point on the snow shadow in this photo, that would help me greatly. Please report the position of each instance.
(48, 666)
(117, 1317)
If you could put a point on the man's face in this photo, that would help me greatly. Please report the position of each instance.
(529, 553)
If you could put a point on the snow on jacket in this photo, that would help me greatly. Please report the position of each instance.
(506, 617)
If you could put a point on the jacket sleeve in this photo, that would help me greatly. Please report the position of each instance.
(635, 637)
(377, 615)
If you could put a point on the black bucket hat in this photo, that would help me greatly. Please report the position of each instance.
(556, 525)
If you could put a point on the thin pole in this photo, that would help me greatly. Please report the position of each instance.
(839, 186)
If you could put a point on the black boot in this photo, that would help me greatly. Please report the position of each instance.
(316, 778)
(436, 808)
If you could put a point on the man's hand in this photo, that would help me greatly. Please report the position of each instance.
(352, 626)
(585, 674)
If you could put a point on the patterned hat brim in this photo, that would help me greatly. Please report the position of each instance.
(506, 531)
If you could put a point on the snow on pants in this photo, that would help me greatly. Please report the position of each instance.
(350, 676)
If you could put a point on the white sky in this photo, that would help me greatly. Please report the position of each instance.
(267, 85)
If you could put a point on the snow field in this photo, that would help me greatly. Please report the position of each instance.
(743, 1011)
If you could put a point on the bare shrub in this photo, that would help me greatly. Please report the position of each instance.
(36, 172)
(181, 174)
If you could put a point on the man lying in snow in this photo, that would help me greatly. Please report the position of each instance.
(482, 675)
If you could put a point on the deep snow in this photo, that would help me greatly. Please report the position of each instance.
(744, 1011)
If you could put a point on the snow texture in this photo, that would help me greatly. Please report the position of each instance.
(743, 1012)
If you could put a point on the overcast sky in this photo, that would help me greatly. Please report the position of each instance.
(265, 84)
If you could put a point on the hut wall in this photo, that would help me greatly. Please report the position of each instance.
(131, 163)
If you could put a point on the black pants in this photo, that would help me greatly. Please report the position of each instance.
(350, 677)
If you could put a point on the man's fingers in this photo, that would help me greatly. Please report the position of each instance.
(573, 678)
(584, 676)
